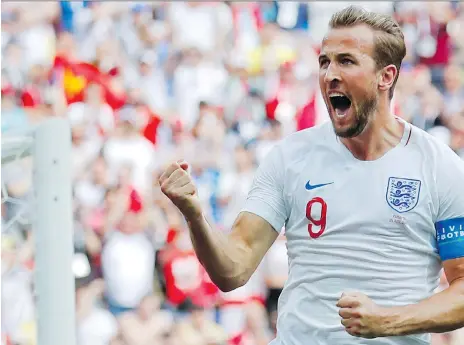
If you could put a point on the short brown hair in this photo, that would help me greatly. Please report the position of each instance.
(389, 41)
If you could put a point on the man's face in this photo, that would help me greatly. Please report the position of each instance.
(348, 78)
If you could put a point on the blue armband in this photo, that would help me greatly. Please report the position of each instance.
(450, 238)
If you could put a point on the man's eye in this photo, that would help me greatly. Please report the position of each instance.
(347, 62)
(323, 63)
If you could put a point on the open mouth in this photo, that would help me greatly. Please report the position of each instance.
(340, 103)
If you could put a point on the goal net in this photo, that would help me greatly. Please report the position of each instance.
(37, 205)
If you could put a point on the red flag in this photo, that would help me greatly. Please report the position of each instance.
(76, 76)
(151, 130)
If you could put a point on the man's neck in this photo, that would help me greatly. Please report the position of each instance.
(381, 134)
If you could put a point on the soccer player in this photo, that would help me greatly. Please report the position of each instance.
(372, 206)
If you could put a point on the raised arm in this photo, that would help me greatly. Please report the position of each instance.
(230, 259)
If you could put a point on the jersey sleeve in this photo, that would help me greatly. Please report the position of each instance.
(449, 224)
(266, 196)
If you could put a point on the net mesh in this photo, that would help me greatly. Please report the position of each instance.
(17, 187)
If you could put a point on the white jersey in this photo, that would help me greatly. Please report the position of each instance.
(351, 225)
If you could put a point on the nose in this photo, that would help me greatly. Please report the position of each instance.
(332, 75)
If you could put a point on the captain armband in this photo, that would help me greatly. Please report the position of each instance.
(450, 238)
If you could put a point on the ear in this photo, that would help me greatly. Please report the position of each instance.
(387, 77)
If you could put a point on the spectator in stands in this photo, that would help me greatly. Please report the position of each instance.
(14, 117)
(128, 260)
(147, 325)
(96, 325)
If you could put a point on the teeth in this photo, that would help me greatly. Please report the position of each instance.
(336, 94)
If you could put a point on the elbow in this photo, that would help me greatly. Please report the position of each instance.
(226, 287)
(231, 283)
(229, 286)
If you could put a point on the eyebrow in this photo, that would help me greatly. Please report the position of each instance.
(346, 55)
(339, 56)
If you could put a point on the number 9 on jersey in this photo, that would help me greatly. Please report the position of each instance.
(316, 213)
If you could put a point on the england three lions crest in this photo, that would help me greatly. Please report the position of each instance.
(402, 193)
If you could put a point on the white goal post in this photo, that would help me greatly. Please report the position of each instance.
(52, 225)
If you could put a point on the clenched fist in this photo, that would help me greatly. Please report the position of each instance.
(178, 186)
(361, 316)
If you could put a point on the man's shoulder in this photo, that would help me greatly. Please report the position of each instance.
(430, 144)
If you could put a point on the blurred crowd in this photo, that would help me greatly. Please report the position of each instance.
(147, 83)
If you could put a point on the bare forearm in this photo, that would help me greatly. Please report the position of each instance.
(221, 256)
(443, 312)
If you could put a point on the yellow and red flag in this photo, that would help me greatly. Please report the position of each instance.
(76, 76)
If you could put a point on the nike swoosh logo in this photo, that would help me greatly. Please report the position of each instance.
(310, 187)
